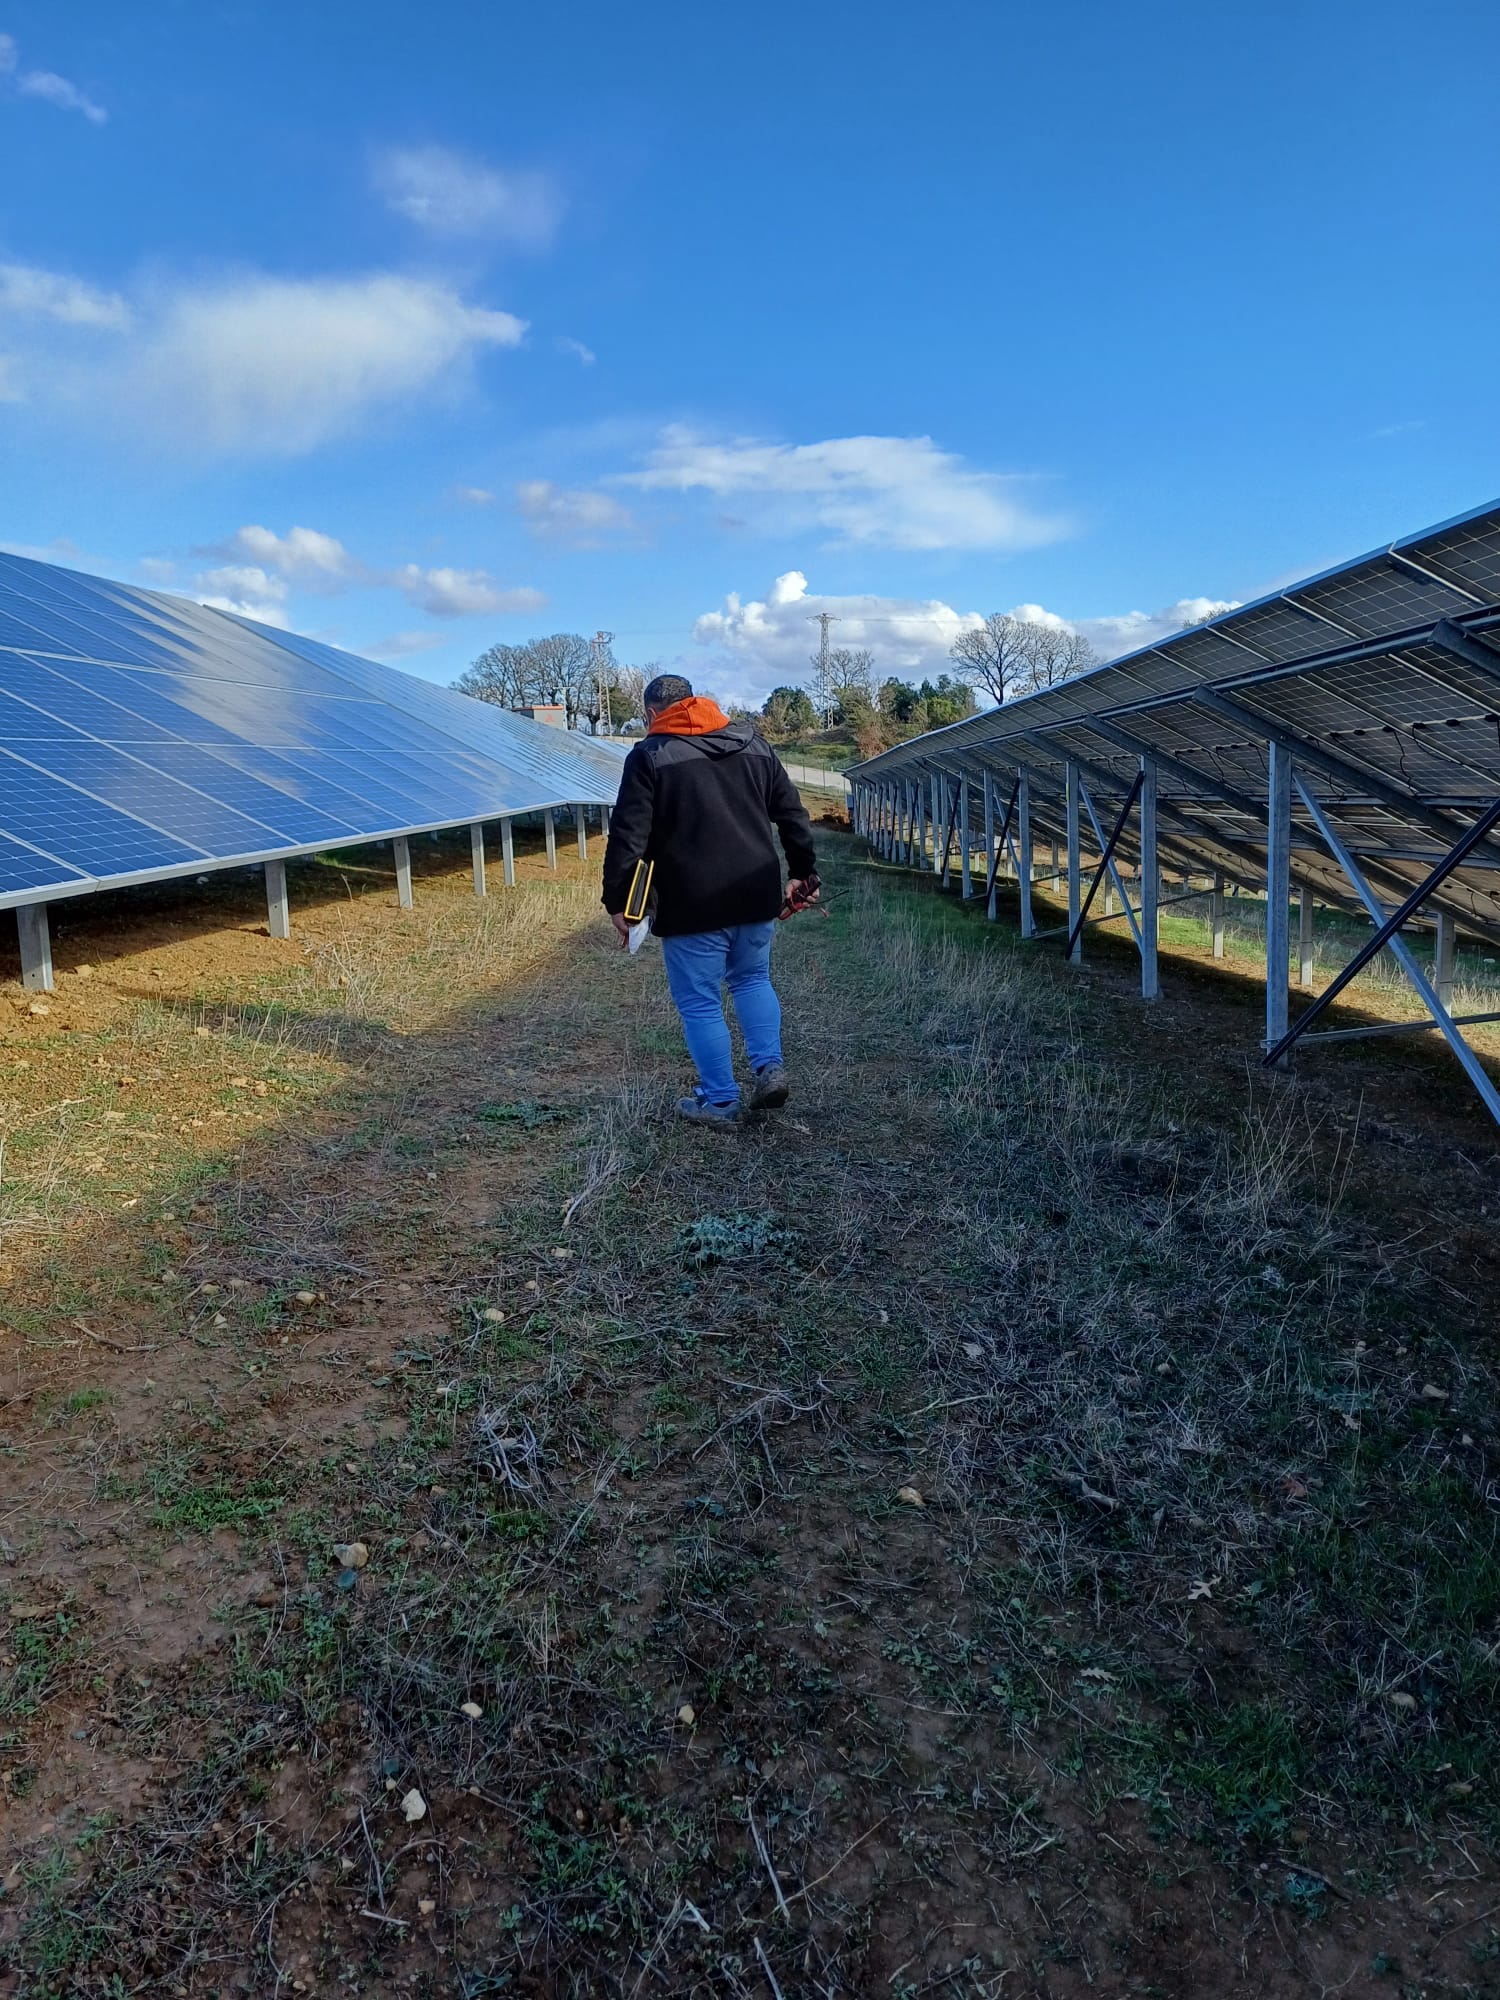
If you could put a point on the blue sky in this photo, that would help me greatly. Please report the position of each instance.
(421, 327)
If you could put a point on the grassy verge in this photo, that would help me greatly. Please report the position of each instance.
(941, 1540)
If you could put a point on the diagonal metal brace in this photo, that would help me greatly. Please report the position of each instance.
(1109, 849)
(1387, 933)
(992, 860)
(1114, 873)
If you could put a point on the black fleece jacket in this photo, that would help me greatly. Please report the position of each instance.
(702, 809)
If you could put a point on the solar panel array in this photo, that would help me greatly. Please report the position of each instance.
(1381, 678)
(143, 736)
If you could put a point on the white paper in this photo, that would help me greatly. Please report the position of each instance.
(639, 934)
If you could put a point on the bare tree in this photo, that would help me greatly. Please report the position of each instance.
(559, 668)
(1009, 657)
(1057, 654)
(852, 667)
(995, 655)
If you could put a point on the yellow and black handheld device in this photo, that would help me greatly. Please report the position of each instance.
(640, 891)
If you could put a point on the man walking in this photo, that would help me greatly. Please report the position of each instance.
(698, 799)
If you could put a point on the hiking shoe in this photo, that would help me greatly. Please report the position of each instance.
(698, 1111)
(771, 1089)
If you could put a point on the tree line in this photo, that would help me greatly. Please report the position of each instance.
(1004, 657)
(580, 676)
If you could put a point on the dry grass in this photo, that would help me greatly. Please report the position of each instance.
(624, 1414)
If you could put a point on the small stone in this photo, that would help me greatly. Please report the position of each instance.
(562, 1252)
(425, 1906)
(39, 1007)
(352, 1555)
(910, 1497)
(85, 972)
(472, 1710)
(973, 1351)
(1431, 1393)
(202, 1034)
(239, 1083)
(305, 1298)
(1403, 1703)
(494, 1315)
(687, 1715)
(414, 1806)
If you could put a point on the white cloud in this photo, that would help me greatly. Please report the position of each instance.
(259, 567)
(452, 194)
(264, 610)
(46, 84)
(460, 593)
(584, 356)
(893, 492)
(1128, 631)
(580, 516)
(302, 556)
(474, 496)
(28, 291)
(771, 640)
(243, 580)
(262, 364)
(10, 381)
(54, 89)
(401, 645)
(157, 569)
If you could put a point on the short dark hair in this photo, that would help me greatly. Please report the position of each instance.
(665, 689)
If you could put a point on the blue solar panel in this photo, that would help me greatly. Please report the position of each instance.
(23, 868)
(85, 833)
(148, 734)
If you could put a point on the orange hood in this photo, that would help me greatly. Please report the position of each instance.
(694, 715)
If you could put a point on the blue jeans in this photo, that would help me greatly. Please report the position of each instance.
(697, 966)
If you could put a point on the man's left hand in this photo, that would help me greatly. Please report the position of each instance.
(622, 929)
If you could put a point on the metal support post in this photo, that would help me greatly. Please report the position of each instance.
(1218, 913)
(278, 908)
(1023, 862)
(401, 847)
(1278, 891)
(1150, 882)
(1388, 935)
(991, 872)
(36, 946)
(1304, 936)
(508, 853)
(1056, 874)
(965, 845)
(937, 822)
(911, 822)
(549, 822)
(581, 815)
(604, 821)
(476, 848)
(1075, 871)
(1444, 951)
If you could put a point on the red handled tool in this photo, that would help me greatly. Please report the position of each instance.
(802, 897)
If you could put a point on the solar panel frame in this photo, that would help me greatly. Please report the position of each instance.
(227, 743)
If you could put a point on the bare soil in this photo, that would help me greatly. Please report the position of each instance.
(1019, 1521)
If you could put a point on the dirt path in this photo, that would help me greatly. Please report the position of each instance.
(1020, 1522)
